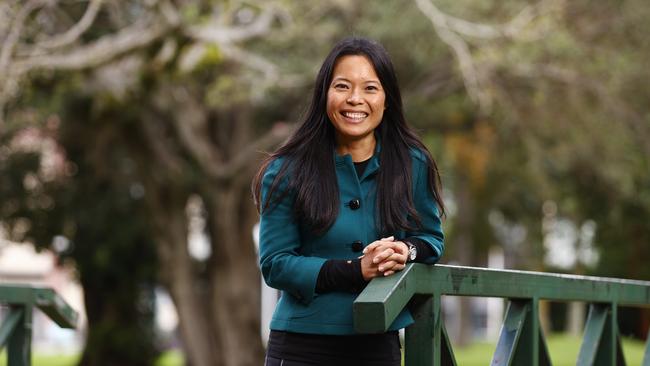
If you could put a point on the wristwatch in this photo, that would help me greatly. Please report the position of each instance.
(413, 252)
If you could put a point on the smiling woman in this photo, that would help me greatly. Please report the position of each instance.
(352, 195)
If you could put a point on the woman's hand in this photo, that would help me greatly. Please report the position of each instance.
(383, 258)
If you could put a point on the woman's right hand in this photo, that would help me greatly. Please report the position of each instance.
(370, 269)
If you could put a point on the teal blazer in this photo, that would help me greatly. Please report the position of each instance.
(290, 259)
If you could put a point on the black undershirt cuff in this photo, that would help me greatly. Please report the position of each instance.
(340, 275)
(345, 275)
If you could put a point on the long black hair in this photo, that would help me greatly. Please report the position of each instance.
(309, 154)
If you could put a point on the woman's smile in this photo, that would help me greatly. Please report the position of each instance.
(354, 117)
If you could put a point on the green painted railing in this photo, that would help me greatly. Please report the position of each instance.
(16, 327)
(521, 341)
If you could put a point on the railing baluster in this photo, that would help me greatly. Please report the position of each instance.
(426, 341)
(511, 333)
(541, 355)
(619, 359)
(521, 341)
(421, 348)
(601, 344)
(447, 353)
(19, 350)
(593, 331)
(11, 322)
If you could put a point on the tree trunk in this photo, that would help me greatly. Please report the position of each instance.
(182, 281)
(235, 274)
(115, 320)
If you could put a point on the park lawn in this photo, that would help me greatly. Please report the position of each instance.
(171, 358)
(562, 348)
(45, 360)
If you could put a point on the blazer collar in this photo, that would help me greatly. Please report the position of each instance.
(371, 168)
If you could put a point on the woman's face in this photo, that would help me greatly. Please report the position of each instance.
(355, 98)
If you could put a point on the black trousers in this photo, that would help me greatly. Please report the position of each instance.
(298, 349)
(272, 361)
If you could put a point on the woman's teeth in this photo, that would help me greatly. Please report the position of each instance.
(355, 115)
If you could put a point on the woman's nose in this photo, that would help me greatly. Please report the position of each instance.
(354, 98)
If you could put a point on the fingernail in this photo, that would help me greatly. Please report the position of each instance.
(381, 269)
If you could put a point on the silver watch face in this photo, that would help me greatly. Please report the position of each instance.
(413, 252)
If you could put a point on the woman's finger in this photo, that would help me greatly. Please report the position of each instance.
(372, 246)
(396, 268)
(386, 253)
(386, 266)
(381, 242)
(396, 257)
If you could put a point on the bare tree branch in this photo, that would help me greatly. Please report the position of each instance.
(72, 34)
(101, 51)
(156, 141)
(471, 77)
(247, 155)
(451, 31)
(61, 53)
(191, 126)
(17, 25)
(214, 33)
(511, 29)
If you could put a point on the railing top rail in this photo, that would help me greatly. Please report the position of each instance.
(384, 298)
(44, 298)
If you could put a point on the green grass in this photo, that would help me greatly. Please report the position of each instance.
(49, 360)
(563, 350)
(172, 358)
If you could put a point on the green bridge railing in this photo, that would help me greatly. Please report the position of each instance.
(521, 341)
(16, 327)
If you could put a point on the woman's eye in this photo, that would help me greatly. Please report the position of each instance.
(340, 86)
(372, 88)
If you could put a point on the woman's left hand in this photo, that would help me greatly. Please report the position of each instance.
(390, 256)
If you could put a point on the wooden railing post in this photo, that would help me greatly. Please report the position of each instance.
(421, 345)
(19, 346)
(426, 341)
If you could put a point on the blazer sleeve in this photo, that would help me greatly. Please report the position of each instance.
(282, 265)
(427, 208)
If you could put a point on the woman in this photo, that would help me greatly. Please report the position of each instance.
(353, 195)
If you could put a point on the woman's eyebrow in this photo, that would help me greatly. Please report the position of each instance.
(340, 78)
